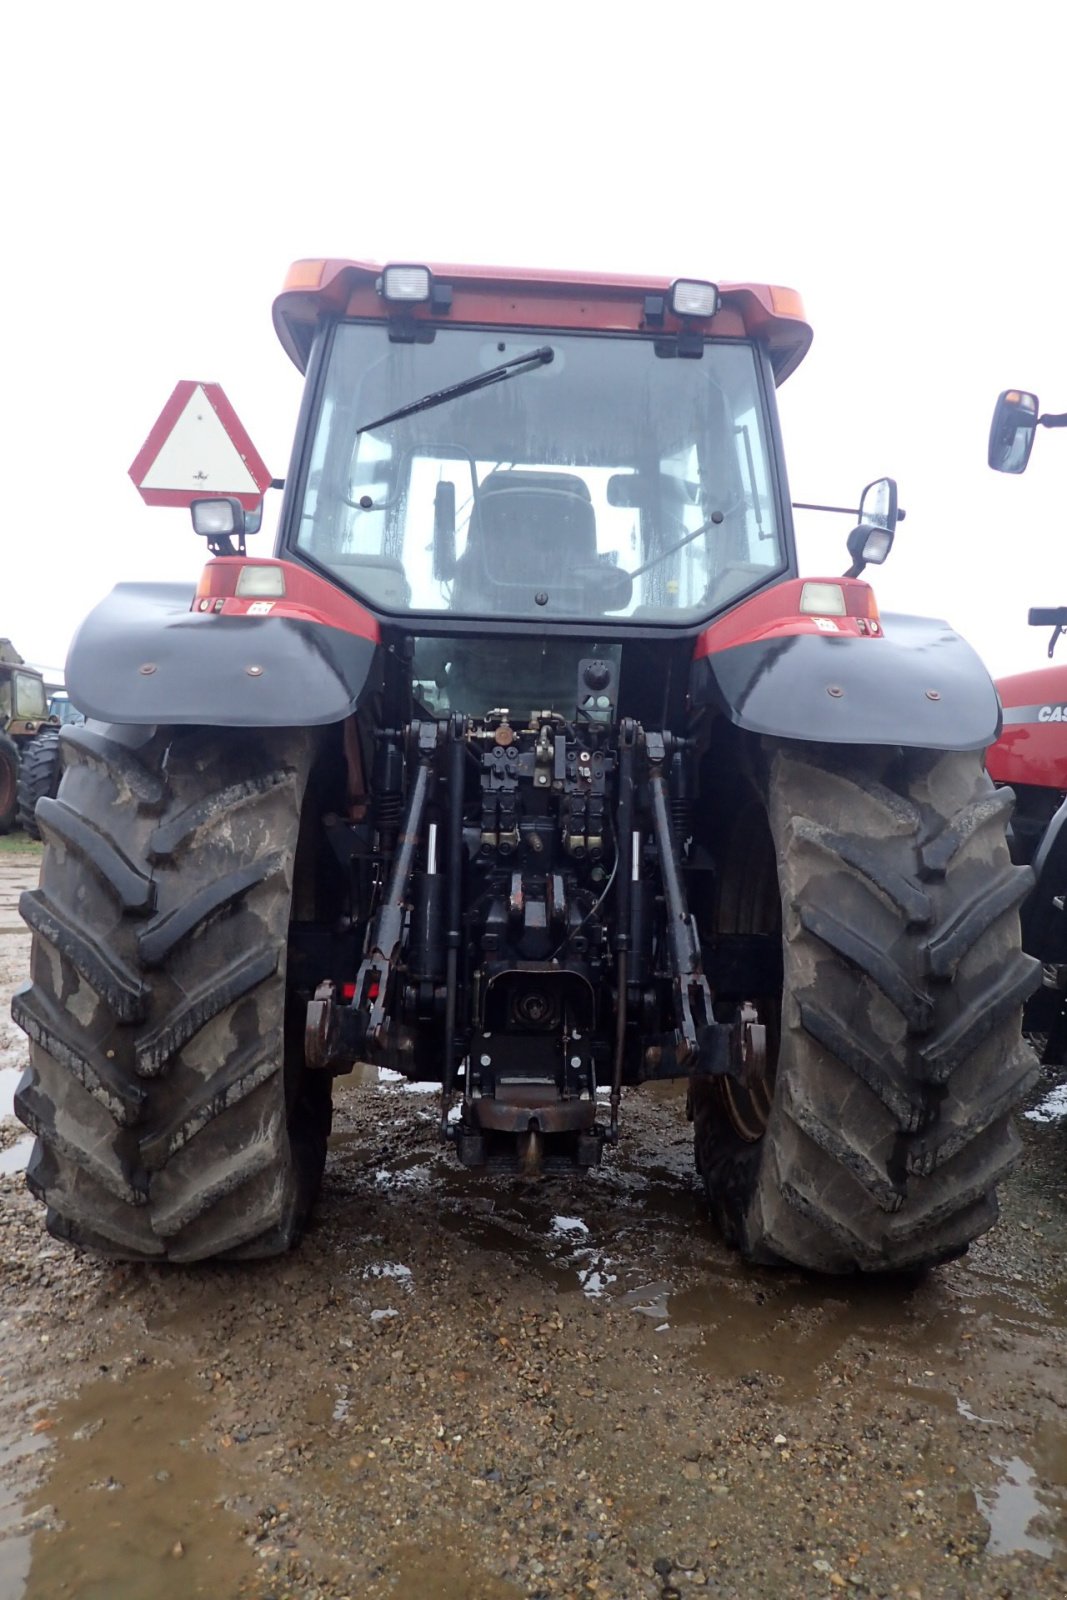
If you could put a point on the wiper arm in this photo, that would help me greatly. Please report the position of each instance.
(481, 380)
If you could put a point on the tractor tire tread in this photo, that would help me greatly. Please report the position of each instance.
(39, 769)
(114, 981)
(900, 1062)
(172, 1121)
(9, 783)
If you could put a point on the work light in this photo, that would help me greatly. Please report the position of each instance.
(405, 285)
(218, 518)
(691, 298)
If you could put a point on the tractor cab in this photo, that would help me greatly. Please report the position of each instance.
(541, 504)
(515, 458)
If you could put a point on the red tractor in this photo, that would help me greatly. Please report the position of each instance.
(1031, 756)
(528, 764)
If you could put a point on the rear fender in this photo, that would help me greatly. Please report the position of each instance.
(144, 655)
(852, 679)
(1032, 748)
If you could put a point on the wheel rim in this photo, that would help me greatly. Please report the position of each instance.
(749, 902)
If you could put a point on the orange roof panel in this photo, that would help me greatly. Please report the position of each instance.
(534, 297)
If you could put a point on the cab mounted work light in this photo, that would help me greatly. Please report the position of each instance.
(690, 297)
(405, 285)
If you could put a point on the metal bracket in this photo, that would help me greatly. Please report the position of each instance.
(735, 1049)
(334, 1035)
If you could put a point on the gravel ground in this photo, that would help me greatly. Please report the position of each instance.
(464, 1387)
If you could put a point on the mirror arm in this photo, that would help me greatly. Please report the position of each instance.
(853, 511)
(1053, 419)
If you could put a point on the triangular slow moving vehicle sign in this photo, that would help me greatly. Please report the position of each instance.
(198, 449)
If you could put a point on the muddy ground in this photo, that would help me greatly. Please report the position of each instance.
(470, 1388)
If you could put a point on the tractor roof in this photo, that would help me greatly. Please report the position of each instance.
(526, 297)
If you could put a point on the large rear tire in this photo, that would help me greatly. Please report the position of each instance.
(9, 783)
(875, 1137)
(38, 778)
(175, 1119)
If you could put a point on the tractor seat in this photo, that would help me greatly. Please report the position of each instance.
(528, 530)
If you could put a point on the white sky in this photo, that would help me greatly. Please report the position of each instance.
(901, 165)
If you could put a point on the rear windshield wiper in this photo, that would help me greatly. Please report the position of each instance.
(506, 369)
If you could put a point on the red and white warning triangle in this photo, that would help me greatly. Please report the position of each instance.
(198, 449)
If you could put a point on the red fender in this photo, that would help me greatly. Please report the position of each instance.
(1032, 748)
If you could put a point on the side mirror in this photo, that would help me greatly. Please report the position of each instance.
(626, 489)
(1011, 436)
(444, 530)
(635, 491)
(878, 507)
(871, 540)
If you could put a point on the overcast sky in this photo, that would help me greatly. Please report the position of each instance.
(901, 165)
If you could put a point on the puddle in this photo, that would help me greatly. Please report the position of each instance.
(136, 1500)
(412, 1172)
(353, 1142)
(9, 1082)
(564, 1259)
(16, 873)
(17, 1448)
(1053, 1108)
(16, 1156)
(592, 1267)
(1011, 1508)
(595, 1279)
(15, 1556)
(509, 1234)
(388, 1079)
(968, 1415)
(390, 1269)
(566, 1227)
(1027, 1508)
(650, 1300)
